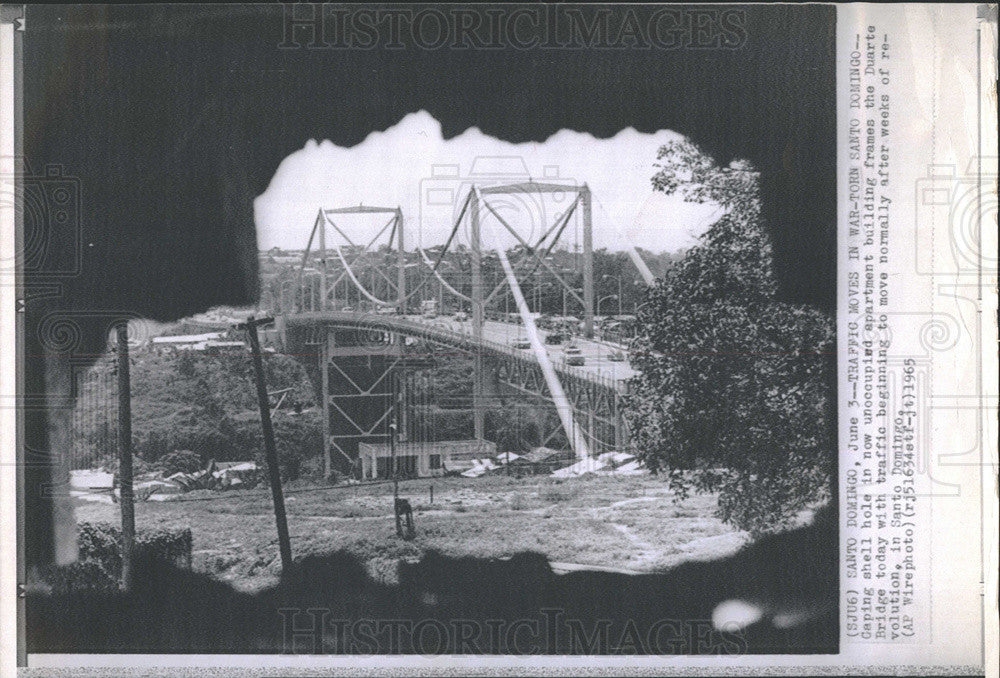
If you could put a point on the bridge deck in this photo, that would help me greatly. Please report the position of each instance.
(498, 337)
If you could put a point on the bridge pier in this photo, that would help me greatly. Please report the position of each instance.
(324, 376)
(621, 433)
(355, 374)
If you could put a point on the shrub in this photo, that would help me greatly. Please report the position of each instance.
(202, 404)
(100, 562)
(297, 439)
(555, 494)
(101, 542)
(179, 461)
(89, 576)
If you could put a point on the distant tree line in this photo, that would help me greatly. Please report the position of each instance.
(614, 275)
(189, 408)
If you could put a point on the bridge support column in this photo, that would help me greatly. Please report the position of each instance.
(620, 441)
(400, 402)
(477, 317)
(324, 377)
(321, 225)
(357, 374)
(401, 264)
(588, 263)
(593, 444)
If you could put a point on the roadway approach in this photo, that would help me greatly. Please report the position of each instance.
(498, 337)
(596, 352)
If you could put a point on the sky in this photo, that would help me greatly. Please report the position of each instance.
(411, 165)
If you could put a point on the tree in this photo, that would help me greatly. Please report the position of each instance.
(734, 394)
(206, 408)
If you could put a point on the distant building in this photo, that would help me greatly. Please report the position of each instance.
(184, 342)
(223, 347)
(423, 459)
(210, 343)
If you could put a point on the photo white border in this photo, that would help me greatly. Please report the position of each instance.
(976, 52)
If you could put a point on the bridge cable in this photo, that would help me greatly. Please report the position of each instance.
(436, 274)
(305, 255)
(358, 258)
(544, 263)
(518, 265)
(565, 221)
(558, 395)
(631, 249)
(348, 271)
(347, 267)
(357, 284)
(444, 250)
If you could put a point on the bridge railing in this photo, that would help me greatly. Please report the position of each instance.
(449, 336)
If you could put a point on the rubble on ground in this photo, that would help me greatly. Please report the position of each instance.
(609, 463)
(98, 485)
(480, 467)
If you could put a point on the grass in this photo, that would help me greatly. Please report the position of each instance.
(628, 522)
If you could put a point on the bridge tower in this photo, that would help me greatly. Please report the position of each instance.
(358, 370)
(362, 356)
(582, 200)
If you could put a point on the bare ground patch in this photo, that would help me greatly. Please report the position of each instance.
(606, 522)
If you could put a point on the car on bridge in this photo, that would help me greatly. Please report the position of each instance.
(574, 356)
(522, 343)
(429, 308)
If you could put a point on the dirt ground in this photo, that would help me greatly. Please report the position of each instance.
(628, 523)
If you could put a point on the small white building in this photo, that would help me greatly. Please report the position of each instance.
(184, 342)
(224, 347)
(423, 459)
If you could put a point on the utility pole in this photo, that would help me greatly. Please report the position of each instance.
(395, 477)
(271, 454)
(127, 500)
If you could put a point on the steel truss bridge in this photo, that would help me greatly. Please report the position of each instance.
(359, 360)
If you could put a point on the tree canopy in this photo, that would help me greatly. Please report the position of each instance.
(735, 393)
